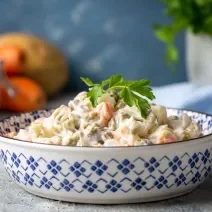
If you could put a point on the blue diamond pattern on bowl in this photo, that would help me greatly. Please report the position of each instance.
(196, 177)
(175, 163)
(193, 160)
(15, 177)
(54, 167)
(20, 175)
(89, 186)
(151, 165)
(113, 186)
(111, 175)
(138, 184)
(46, 183)
(99, 168)
(205, 156)
(125, 166)
(3, 157)
(32, 163)
(78, 169)
(180, 180)
(160, 182)
(66, 185)
(28, 179)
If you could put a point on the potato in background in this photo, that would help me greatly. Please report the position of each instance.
(43, 62)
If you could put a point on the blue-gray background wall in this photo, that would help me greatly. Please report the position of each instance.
(99, 37)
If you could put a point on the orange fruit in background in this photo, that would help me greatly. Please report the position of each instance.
(13, 59)
(29, 96)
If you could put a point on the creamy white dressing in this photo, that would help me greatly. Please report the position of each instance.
(111, 123)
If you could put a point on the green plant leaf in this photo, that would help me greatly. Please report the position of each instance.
(94, 93)
(87, 81)
(195, 15)
(172, 54)
(133, 93)
(126, 95)
(164, 33)
(115, 79)
(105, 82)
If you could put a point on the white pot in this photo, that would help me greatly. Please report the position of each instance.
(199, 58)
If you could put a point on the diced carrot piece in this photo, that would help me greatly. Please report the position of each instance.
(123, 130)
(105, 111)
(167, 140)
(116, 135)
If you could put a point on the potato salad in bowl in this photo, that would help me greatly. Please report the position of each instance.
(108, 145)
(110, 123)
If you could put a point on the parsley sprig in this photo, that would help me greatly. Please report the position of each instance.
(133, 93)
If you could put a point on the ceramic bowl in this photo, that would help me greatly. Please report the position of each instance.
(106, 175)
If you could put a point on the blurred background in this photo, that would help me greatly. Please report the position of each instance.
(98, 38)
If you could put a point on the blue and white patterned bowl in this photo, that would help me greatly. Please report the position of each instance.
(106, 175)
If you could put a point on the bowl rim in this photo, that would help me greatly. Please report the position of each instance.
(109, 147)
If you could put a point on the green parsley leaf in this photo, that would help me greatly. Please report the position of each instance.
(87, 81)
(126, 95)
(143, 106)
(133, 93)
(139, 88)
(94, 94)
(105, 82)
(115, 79)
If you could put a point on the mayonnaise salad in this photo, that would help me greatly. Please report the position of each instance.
(110, 123)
